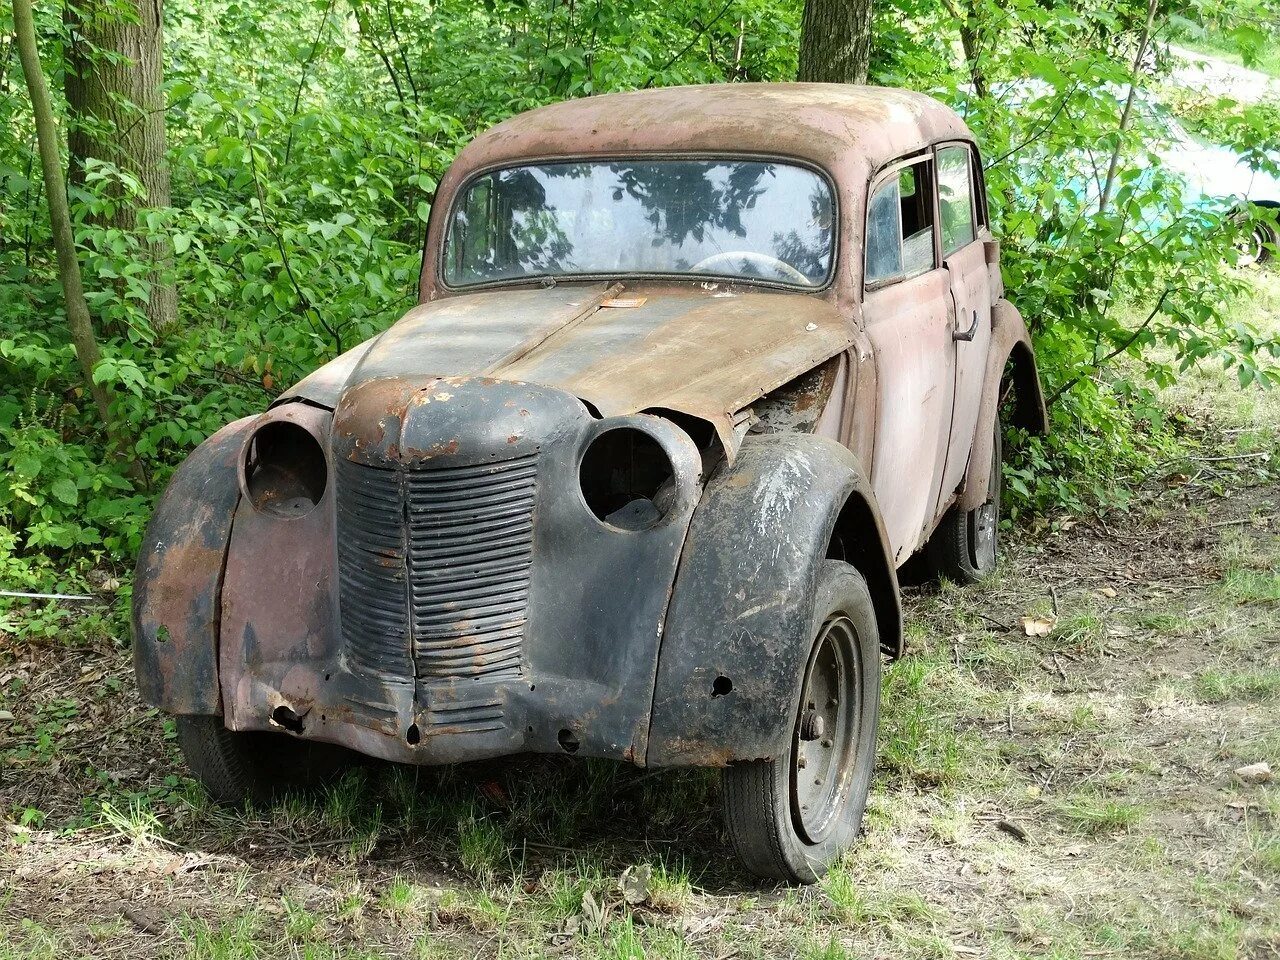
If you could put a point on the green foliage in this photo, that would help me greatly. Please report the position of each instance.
(307, 138)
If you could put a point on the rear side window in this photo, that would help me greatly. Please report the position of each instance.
(899, 239)
(955, 198)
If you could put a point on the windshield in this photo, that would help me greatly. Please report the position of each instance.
(731, 218)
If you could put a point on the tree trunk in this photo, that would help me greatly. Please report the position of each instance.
(971, 43)
(86, 346)
(113, 83)
(835, 41)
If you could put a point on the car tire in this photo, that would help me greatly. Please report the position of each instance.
(966, 545)
(1255, 248)
(776, 834)
(236, 768)
(1268, 242)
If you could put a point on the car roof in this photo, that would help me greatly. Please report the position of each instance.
(848, 131)
(826, 124)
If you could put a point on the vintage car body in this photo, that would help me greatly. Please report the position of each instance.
(424, 579)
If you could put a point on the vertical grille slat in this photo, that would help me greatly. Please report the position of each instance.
(435, 566)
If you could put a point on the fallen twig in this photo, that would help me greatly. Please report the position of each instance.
(45, 596)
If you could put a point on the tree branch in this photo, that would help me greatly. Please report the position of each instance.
(688, 46)
(1099, 364)
(302, 80)
(1128, 104)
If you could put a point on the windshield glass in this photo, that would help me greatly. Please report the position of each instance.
(731, 218)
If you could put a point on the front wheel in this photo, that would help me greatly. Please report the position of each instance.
(235, 768)
(790, 818)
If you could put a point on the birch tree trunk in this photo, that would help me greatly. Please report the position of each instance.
(835, 41)
(114, 88)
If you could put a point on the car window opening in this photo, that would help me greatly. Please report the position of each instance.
(739, 219)
(899, 239)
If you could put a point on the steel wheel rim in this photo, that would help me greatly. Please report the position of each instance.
(984, 522)
(1252, 247)
(823, 753)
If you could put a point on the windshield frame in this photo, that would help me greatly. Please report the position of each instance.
(460, 193)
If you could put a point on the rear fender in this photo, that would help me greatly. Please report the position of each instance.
(737, 631)
(1010, 347)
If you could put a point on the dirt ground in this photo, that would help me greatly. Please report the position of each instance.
(1065, 772)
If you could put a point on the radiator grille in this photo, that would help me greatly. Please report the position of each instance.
(435, 569)
(371, 570)
(470, 551)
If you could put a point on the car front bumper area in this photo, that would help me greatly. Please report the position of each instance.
(451, 596)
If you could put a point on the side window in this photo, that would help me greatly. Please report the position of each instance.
(955, 199)
(899, 239)
(979, 192)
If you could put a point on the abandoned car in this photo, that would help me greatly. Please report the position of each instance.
(692, 373)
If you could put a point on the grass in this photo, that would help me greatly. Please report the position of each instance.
(920, 737)
(1090, 812)
(1214, 44)
(1256, 685)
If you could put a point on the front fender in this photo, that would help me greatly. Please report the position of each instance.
(737, 632)
(177, 586)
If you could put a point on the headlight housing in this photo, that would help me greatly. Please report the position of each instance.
(628, 480)
(285, 470)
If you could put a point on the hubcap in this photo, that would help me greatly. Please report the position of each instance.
(824, 745)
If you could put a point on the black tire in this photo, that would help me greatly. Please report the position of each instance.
(1256, 246)
(236, 768)
(774, 834)
(1269, 241)
(966, 545)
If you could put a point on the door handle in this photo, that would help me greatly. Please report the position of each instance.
(968, 334)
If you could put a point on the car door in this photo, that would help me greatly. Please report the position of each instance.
(963, 233)
(906, 308)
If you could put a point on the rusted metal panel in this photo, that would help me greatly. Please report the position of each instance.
(909, 325)
(971, 295)
(551, 633)
(740, 617)
(708, 353)
(178, 582)
(798, 405)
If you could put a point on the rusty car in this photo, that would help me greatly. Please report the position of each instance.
(693, 372)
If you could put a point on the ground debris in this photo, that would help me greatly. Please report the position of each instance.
(1255, 772)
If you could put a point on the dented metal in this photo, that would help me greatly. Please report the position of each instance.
(462, 576)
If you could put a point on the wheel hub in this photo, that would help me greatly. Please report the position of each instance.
(824, 743)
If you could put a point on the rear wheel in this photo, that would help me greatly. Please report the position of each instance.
(966, 544)
(235, 768)
(791, 817)
(1257, 243)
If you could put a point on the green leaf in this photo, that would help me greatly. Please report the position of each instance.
(65, 490)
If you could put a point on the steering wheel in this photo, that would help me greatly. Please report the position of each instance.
(760, 259)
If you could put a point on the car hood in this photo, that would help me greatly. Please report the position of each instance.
(1219, 173)
(706, 351)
